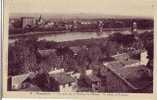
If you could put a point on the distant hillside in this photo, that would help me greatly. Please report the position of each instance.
(75, 16)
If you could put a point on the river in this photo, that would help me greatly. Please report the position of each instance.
(74, 36)
(68, 36)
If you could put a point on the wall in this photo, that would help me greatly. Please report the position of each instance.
(66, 87)
(144, 59)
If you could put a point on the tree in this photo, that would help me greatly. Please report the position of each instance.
(94, 54)
(123, 39)
(23, 56)
(111, 48)
(82, 57)
(15, 60)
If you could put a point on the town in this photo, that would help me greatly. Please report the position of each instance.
(121, 61)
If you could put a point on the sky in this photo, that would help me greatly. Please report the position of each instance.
(107, 7)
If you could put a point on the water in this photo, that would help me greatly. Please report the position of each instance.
(68, 36)
(73, 36)
(81, 35)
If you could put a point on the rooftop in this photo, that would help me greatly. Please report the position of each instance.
(122, 56)
(136, 77)
(94, 78)
(62, 78)
(18, 79)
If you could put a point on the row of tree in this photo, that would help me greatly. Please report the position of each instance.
(24, 56)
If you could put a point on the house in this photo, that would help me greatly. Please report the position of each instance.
(126, 60)
(77, 74)
(123, 56)
(120, 78)
(63, 82)
(55, 71)
(18, 80)
(94, 82)
(68, 26)
(49, 24)
(88, 83)
(89, 72)
(125, 74)
(85, 22)
(144, 60)
(28, 21)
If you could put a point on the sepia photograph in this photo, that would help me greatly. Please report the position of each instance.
(80, 47)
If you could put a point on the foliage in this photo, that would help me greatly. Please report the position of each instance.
(24, 56)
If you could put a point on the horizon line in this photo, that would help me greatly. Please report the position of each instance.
(79, 14)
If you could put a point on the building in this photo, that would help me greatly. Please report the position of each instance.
(143, 58)
(100, 26)
(17, 82)
(63, 82)
(121, 57)
(127, 75)
(94, 82)
(89, 72)
(78, 74)
(28, 21)
(89, 83)
(134, 27)
(49, 25)
(56, 71)
(40, 21)
(121, 78)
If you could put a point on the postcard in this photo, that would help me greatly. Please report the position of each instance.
(83, 49)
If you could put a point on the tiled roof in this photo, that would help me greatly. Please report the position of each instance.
(130, 75)
(94, 78)
(129, 62)
(62, 78)
(18, 79)
(121, 56)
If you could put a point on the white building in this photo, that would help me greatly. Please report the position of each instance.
(89, 72)
(56, 71)
(143, 58)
